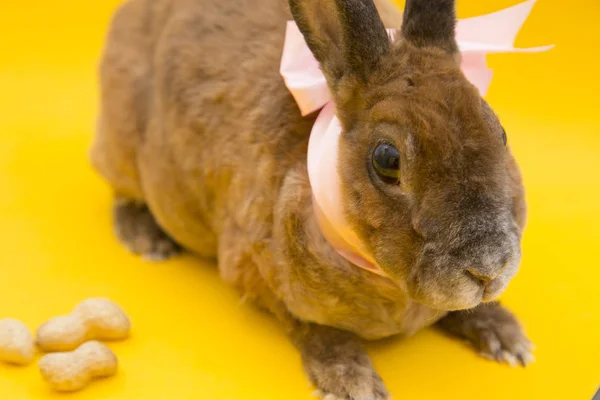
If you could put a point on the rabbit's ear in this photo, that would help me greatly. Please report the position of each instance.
(430, 23)
(345, 36)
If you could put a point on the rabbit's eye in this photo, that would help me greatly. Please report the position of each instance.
(504, 136)
(386, 161)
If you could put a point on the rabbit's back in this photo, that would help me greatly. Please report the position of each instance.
(196, 121)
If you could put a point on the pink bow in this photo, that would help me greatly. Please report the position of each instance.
(476, 37)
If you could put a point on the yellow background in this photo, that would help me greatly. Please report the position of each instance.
(192, 339)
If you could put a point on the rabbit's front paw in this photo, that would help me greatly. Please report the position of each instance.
(136, 228)
(338, 365)
(494, 331)
(505, 343)
(350, 382)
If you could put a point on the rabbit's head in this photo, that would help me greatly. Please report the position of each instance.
(428, 181)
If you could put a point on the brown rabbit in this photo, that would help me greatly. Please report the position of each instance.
(206, 149)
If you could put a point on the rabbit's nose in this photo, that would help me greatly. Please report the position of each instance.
(482, 276)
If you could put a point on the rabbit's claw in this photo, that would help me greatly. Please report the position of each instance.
(137, 229)
(350, 381)
(513, 349)
(494, 331)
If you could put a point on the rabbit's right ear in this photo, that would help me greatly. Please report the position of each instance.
(345, 36)
(430, 23)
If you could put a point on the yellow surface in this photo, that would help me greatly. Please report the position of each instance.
(192, 339)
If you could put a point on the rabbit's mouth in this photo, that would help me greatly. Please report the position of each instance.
(495, 288)
(464, 295)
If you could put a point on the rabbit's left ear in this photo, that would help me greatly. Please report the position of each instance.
(430, 23)
(345, 36)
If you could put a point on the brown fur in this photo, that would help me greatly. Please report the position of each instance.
(197, 125)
